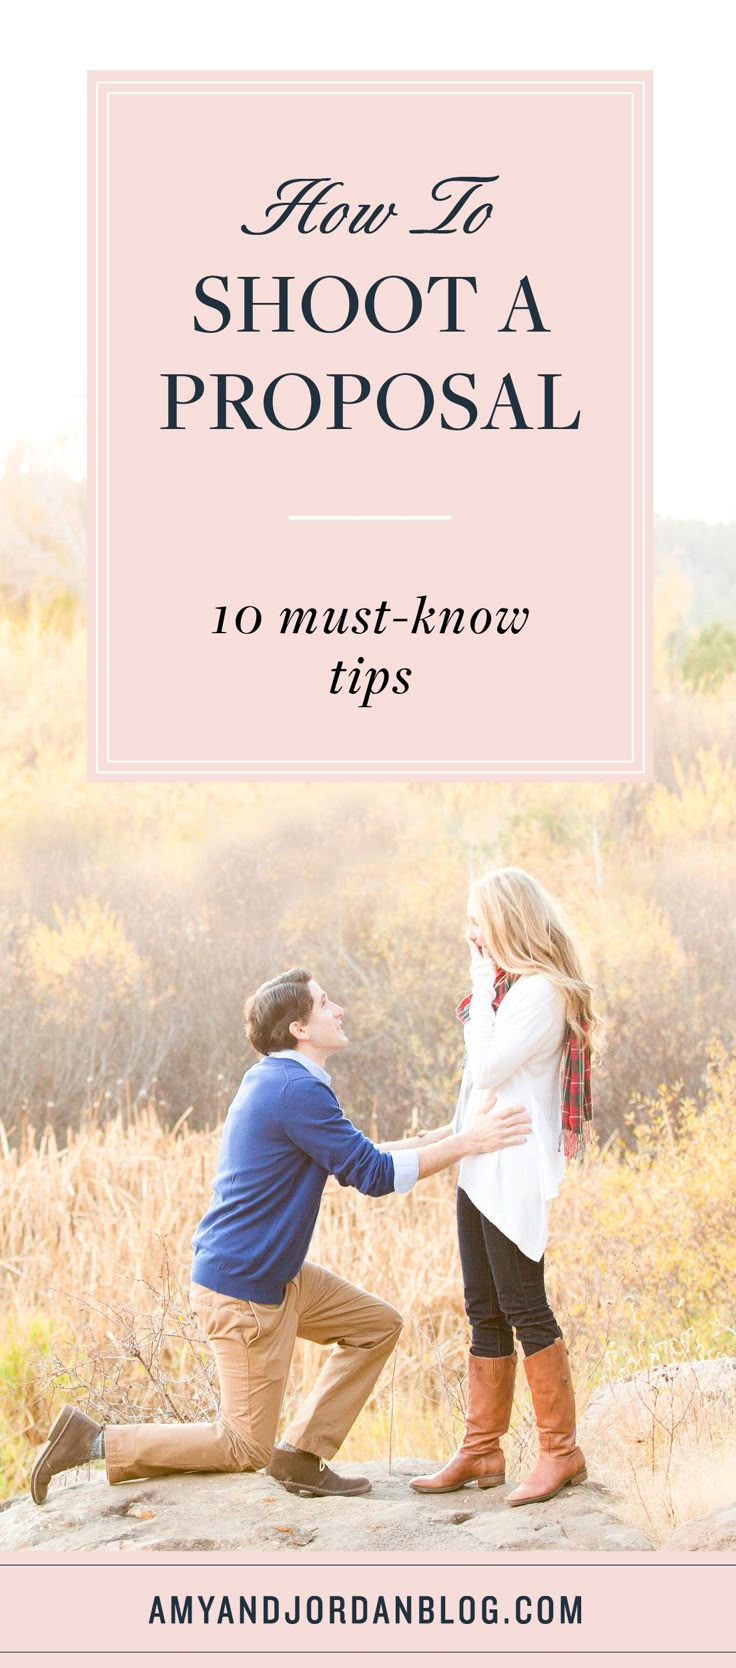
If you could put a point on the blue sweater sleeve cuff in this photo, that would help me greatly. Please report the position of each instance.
(406, 1170)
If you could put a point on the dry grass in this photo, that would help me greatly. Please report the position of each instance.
(94, 1264)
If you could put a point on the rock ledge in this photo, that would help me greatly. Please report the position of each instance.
(226, 1513)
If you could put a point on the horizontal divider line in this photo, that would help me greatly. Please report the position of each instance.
(369, 518)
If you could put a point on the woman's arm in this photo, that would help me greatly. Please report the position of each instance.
(480, 1026)
(499, 1043)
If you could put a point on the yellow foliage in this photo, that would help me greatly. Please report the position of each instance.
(674, 593)
(660, 1217)
(86, 952)
(23, 1407)
(216, 884)
(632, 939)
(703, 804)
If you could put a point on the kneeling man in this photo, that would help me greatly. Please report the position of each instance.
(252, 1292)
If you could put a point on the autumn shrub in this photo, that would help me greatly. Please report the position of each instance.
(135, 918)
(24, 1402)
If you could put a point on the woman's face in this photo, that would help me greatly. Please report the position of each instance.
(474, 929)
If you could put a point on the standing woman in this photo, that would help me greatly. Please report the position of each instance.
(528, 1026)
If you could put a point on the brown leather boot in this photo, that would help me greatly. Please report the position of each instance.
(560, 1462)
(69, 1443)
(480, 1456)
(303, 1473)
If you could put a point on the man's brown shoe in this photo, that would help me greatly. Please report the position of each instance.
(479, 1459)
(69, 1443)
(561, 1463)
(303, 1473)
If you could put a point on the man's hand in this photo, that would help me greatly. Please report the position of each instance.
(489, 1130)
(424, 1138)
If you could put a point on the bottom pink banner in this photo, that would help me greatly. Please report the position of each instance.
(535, 1607)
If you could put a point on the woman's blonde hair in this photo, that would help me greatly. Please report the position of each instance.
(525, 933)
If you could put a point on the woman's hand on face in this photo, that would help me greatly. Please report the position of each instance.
(478, 951)
(488, 1130)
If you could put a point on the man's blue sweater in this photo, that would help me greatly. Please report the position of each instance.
(283, 1135)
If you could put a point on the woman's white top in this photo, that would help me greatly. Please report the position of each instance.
(516, 1050)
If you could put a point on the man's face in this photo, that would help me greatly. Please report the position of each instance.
(323, 1029)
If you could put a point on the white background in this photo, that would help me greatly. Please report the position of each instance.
(689, 46)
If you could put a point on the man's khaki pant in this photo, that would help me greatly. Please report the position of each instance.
(252, 1344)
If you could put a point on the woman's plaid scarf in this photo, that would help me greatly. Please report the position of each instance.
(576, 1101)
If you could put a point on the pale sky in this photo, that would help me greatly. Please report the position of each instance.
(43, 128)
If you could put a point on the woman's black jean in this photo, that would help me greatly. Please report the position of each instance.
(504, 1290)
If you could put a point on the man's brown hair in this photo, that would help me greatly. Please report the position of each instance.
(273, 1008)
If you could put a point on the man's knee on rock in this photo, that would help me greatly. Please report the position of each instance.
(259, 1456)
(248, 1454)
(252, 1458)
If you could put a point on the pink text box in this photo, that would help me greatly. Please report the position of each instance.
(191, 521)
